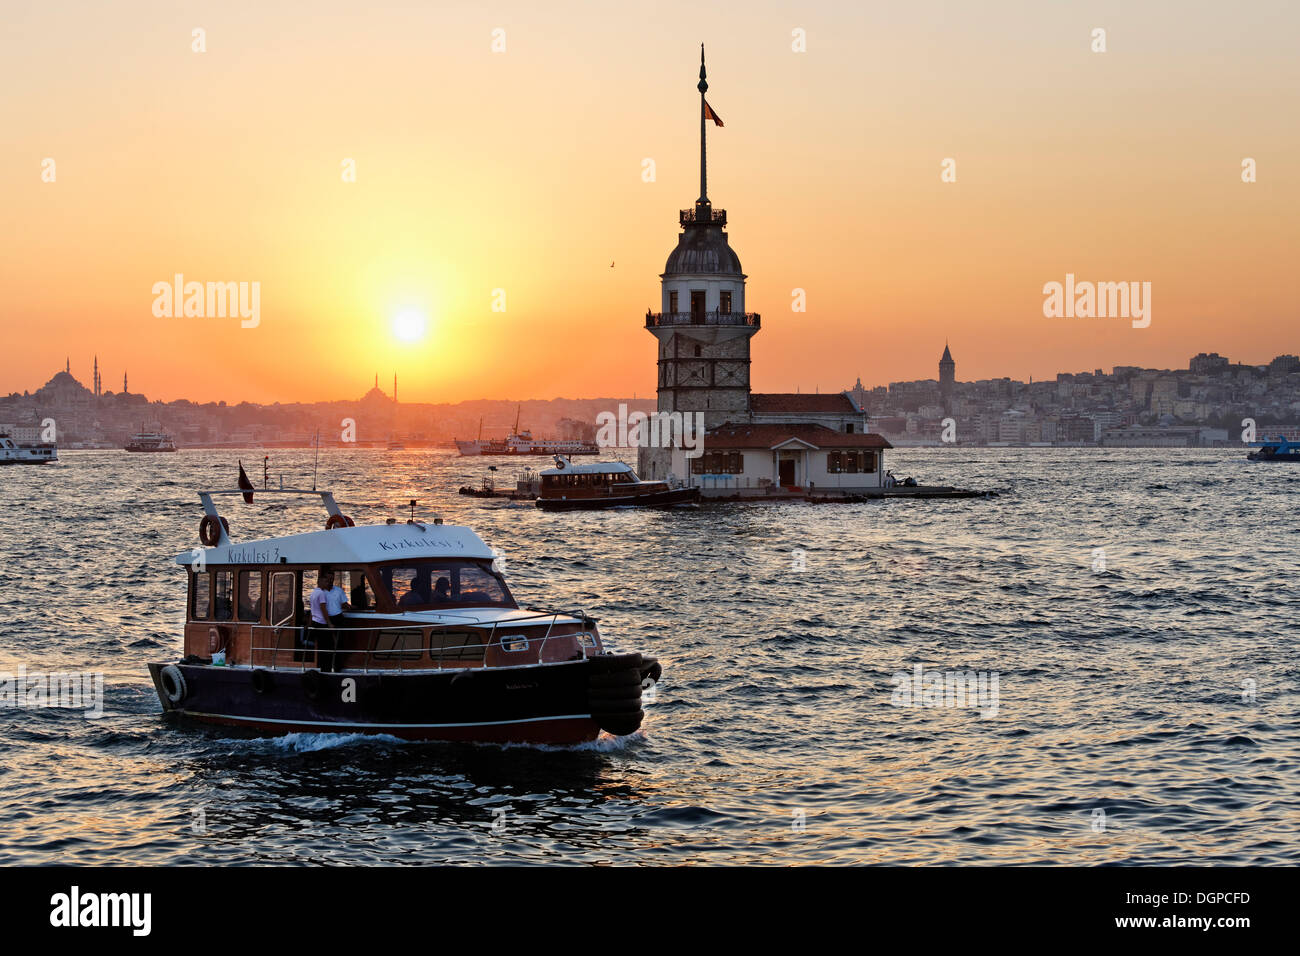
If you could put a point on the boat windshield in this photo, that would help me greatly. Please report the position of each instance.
(436, 583)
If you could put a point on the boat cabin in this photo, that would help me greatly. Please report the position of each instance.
(590, 480)
(418, 596)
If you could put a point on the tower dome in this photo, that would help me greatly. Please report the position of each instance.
(702, 248)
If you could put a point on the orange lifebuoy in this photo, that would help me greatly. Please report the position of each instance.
(339, 521)
(208, 533)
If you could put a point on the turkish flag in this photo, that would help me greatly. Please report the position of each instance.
(709, 114)
(246, 485)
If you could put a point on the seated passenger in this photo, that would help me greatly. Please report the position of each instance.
(419, 592)
(442, 591)
(360, 597)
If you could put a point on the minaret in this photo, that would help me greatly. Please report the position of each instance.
(947, 376)
(124, 388)
(703, 330)
(95, 381)
(394, 388)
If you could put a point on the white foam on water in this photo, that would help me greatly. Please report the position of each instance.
(308, 742)
(604, 744)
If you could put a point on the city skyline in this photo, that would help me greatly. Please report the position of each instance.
(376, 378)
(535, 186)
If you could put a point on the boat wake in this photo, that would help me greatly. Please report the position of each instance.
(604, 744)
(308, 743)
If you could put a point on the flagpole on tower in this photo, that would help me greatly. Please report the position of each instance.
(703, 87)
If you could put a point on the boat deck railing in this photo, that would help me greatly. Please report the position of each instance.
(409, 646)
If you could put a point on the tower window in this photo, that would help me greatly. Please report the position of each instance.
(697, 351)
(672, 301)
(697, 306)
(724, 301)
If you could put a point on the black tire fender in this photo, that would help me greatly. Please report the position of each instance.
(173, 684)
(263, 682)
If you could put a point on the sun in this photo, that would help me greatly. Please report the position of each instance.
(410, 325)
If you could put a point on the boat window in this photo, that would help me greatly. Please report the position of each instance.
(250, 595)
(308, 585)
(428, 585)
(225, 596)
(357, 588)
(456, 645)
(202, 604)
(406, 644)
(282, 597)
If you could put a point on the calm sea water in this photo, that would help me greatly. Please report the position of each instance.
(1138, 606)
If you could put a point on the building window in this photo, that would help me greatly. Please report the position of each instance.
(848, 429)
(719, 463)
(851, 462)
(697, 306)
(724, 301)
(672, 301)
(697, 351)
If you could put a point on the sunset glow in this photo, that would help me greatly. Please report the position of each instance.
(398, 151)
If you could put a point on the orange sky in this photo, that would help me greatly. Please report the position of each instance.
(522, 171)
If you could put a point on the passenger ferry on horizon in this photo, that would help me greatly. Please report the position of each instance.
(1279, 449)
(523, 443)
(605, 484)
(430, 644)
(13, 453)
(150, 441)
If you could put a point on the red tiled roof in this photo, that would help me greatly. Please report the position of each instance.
(795, 402)
(769, 436)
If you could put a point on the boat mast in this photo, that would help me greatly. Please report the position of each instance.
(316, 461)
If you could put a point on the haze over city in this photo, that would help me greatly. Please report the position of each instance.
(516, 162)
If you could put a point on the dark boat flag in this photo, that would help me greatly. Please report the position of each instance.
(246, 485)
(709, 114)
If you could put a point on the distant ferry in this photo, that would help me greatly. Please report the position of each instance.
(523, 443)
(12, 453)
(606, 484)
(150, 441)
(1279, 449)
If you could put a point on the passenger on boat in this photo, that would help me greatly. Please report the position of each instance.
(323, 634)
(419, 592)
(442, 591)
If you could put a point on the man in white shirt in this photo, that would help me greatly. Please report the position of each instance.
(326, 602)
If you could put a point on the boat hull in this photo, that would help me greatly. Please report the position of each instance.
(1292, 457)
(658, 499)
(563, 703)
